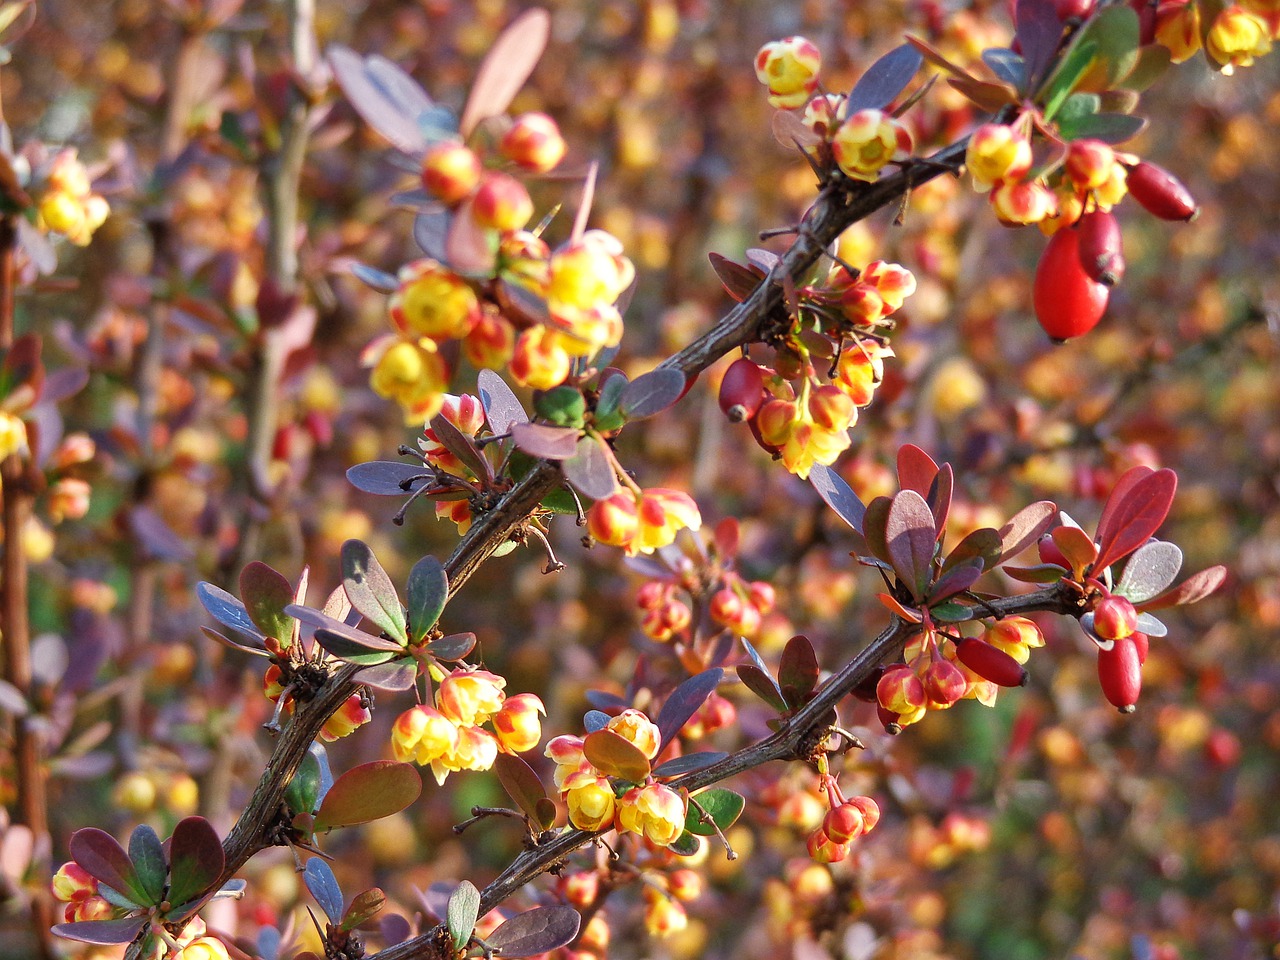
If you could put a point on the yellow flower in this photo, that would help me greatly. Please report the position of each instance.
(346, 719)
(469, 697)
(789, 68)
(638, 730)
(13, 435)
(422, 735)
(413, 374)
(1236, 38)
(654, 811)
(663, 916)
(206, 948)
(569, 759)
(517, 723)
(866, 141)
(590, 800)
(997, 152)
(540, 360)
(477, 749)
(433, 301)
(1178, 28)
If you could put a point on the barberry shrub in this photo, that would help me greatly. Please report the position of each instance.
(357, 281)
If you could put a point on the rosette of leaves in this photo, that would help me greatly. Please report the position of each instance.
(1123, 557)
(156, 887)
(319, 803)
(901, 536)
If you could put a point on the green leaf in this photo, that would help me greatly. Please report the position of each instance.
(951, 612)
(1075, 108)
(368, 792)
(1113, 128)
(1071, 70)
(370, 589)
(147, 854)
(607, 416)
(428, 590)
(686, 845)
(266, 593)
(721, 805)
(563, 406)
(464, 910)
(1151, 63)
(561, 501)
(196, 859)
(303, 792)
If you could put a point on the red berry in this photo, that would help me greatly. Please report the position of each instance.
(741, 390)
(1120, 673)
(990, 663)
(1160, 192)
(1067, 302)
(1100, 252)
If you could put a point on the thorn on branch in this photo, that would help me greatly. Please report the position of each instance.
(553, 564)
(483, 813)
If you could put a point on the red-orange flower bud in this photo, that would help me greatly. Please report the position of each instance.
(1114, 617)
(450, 171)
(501, 202)
(534, 142)
(844, 823)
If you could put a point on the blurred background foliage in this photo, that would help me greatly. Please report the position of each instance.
(1050, 827)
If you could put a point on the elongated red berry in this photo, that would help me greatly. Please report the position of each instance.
(1068, 303)
(1160, 192)
(1143, 643)
(990, 663)
(1120, 673)
(1100, 252)
(1050, 553)
(742, 390)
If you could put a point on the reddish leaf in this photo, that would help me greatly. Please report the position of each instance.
(394, 675)
(838, 495)
(986, 95)
(615, 756)
(956, 580)
(884, 80)
(982, 544)
(536, 931)
(762, 260)
(123, 930)
(1123, 487)
(371, 590)
(266, 593)
(1038, 31)
(1025, 528)
(727, 537)
(911, 616)
(590, 470)
(916, 469)
(1076, 546)
(762, 685)
(195, 860)
(1191, 590)
(1040, 573)
(461, 446)
(469, 248)
(790, 132)
(873, 527)
(797, 671)
(523, 786)
(501, 406)
(939, 499)
(506, 67)
(651, 393)
(1136, 517)
(545, 442)
(388, 478)
(336, 635)
(739, 281)
(909, 537)
(101, 855)
(364, 906)
(684, 701)
(368, 792)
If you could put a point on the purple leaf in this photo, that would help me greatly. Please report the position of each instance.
(63, 383)
(227, 610)
(615, 756)
(594, 720)
(1149, 571)
(319, 878)
(431, 233)
(379, 105)
(506, 67)
(394, 929)
(545, 442)
(590, 469)
(797, 671)
(688, 763)
(195, 859)
(1025, 528)
(651, 393)
(428, 591)
(536, 931)
(604, 700)
(739, 281)
(873, 527)
(762, 260)
(1038, 31)
(684, 701)
(371, 590)
(157, 539)
(982, 544)
(884, 80)
(523, 786)
(1136, 517)
(12, 701)
(461, 446)
(762, 685)
(455, 646)
(394, 675)
(266, 593)
(469, 248)
(388, 478)
(339, 635)
(909, 536)
(368, 792)
(1006, 65)
(379, 280)
(99, 853)
(501, 406)
(956, 580)
(838, 495)
(103, 932)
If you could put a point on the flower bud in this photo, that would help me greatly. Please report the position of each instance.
(1018, 203)
(1160, 193)
(469, 697)
(638, 730)
(1089, 163)
(73, 882)
(844, 823)
(870, 812)
(433, 301)
(517, 724)
(534, 142)
(1114, 617)
(580, 888)
(789, 68)
(742, 390)
(663, 916)
(90, 908)
(997, 152)
(1236, 38)
(900, 690)
(944, 683)
(491, 344)
(353, 714)
(1120, 673)
(450, 171)
(864, 143)
(501, 202)
(825, 850)
(831, 408)
(540, 360)
(614, 520)
(653, 810)
(685, 884)
(1178, 29)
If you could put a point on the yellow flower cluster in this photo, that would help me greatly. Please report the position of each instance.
(68, 204)
(641, 523)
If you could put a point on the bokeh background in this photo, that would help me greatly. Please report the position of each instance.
(1047, 827)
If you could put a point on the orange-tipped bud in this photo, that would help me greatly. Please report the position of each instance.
(870, 812)
(944, 683)
(534, 142)
(491, 344)
(637, 729)
(1089, 163)
(822, 849)
(1021, 202)
(353, 714)
(844, 823)
(470, 697)
(73, 882)
(831, 408)
(663, 916)
(653, 810)
(685, 884)
(450, 171)
(580, 888)
(1120, 673)
(517, 724)
(615, 519)
(997, 152)
(90, 908)
(989, 663)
